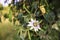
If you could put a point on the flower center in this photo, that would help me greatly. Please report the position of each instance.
(35, 24)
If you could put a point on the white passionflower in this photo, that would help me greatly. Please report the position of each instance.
(33, 24)
(5, 2)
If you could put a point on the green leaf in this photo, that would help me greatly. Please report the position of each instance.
(50, 17)
(21, 18)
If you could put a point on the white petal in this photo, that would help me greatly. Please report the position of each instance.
(29, 25)
(35, 29)
(30, 22)
(37, 21)
(31, 28)
(38, 27)
(32, 19)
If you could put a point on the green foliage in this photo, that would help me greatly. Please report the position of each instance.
(50, 17)
(29, 11)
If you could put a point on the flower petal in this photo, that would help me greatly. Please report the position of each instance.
(38, 27)
(32, 19)
(35, 29)
(31, 28)
(37, 21)
(29, 25)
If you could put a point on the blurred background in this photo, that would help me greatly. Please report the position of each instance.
(16, 13)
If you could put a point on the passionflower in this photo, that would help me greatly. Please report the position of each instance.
(5, 2)
(34, 25)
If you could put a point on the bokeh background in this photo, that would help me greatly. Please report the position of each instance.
(15, 14)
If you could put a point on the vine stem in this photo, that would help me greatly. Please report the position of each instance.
(46, 2)
(26, 8)
(29, 35)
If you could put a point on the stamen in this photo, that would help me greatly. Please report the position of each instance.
(35, 24)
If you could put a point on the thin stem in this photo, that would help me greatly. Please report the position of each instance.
(29, 35)
(46, 2)
(26, 8)
(35, 11)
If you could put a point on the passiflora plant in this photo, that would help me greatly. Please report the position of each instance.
(35, 18)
